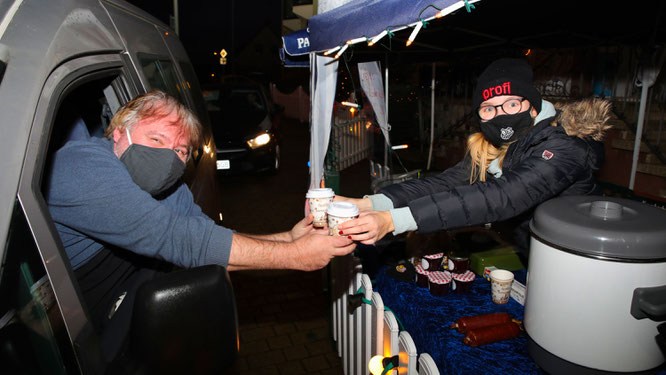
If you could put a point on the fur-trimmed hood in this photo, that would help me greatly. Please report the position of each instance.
(586, 118)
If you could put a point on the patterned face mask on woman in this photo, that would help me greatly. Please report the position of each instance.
(153, 169)
(505, 129)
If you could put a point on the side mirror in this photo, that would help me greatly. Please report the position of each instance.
(186, 322)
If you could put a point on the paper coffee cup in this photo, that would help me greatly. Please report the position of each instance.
(319, 199)
(338, 213)
(500, 285)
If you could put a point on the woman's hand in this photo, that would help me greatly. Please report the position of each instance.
(363, 204)
(369, 228)
(302, 228)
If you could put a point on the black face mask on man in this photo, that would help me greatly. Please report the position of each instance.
(153, 169)
(504, 129)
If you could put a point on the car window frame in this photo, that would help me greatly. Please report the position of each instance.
(60, 82)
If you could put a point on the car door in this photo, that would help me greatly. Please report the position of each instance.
(76, 97)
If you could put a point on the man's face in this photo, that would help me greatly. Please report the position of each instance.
(157, 133)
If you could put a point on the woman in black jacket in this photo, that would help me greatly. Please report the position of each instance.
(526, 152)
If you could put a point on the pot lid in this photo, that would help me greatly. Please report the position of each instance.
(602, 227)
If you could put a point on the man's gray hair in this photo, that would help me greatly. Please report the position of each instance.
(156, 104)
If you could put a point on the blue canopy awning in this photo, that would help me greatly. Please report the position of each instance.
(367, 18)
(296, 43)
(362, 19)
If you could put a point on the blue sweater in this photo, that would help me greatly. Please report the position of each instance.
(94, 202)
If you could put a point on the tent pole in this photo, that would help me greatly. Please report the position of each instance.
(647, 79)
(432, 115)
(386, 100)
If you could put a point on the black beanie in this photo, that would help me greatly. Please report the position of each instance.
(506, 77)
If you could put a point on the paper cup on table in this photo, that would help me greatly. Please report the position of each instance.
(319, 199)
(338, 213)
(500, 285)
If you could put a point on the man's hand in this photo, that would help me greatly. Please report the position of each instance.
(363, 204)
(310, 252)
(302, 228)
(369, 228)
(315, 250)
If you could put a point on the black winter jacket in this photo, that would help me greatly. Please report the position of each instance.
(546, 162)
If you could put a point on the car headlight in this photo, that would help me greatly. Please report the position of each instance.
(259, 140)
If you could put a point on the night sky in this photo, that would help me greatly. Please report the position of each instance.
(209, 26)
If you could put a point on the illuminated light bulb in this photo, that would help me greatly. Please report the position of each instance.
(206, 149)
(399, 147)
(350, 104)
(331, 50)
(375, 365)
(378, 364)
(341, 51)
(412, 36)
(352, 110)
(377, 38)
(357, 40)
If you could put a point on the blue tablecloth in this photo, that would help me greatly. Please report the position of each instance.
(428, 320)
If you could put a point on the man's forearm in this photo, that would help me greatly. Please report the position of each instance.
(250, 252)
(281, 237)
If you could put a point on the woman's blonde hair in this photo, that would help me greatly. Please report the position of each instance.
(156, 104)
(481, 153)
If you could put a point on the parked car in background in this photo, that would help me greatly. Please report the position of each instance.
(65, 68)
(244, 121)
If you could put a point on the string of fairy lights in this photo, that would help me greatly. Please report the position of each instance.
(390, 31)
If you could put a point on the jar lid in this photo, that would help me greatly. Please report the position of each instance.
(439, 277)
(434, 256)
(342, 209)
(602, 227)
(419, 269)
(466, 276)
(320, 193)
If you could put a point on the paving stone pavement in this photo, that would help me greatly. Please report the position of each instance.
(284, 324)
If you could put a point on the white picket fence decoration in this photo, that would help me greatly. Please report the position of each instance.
(370, 329)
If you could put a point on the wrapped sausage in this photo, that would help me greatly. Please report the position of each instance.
(467, 323)
(489, 335)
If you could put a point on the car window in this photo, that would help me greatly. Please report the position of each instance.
(242, 101)
(192, 84)
(161, 74)
(33, 339)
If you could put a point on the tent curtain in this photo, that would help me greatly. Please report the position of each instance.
(371, 82)
(323, 81)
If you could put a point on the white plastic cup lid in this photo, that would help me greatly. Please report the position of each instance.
(501, 275)
(342, 209)
(320, 193)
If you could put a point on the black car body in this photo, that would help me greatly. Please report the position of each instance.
(244, 121)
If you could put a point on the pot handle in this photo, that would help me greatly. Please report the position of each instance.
(649, 303)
